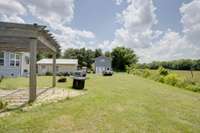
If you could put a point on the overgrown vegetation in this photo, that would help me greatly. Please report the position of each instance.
(3, 104)
(164, 76)
(182, 64)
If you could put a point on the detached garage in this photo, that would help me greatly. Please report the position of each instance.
(62, 65)
(102, 63)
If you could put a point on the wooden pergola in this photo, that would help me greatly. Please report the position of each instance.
(31, 38)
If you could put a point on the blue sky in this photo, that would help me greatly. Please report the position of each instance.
(154, 29)
(99, 16)
(168, 14)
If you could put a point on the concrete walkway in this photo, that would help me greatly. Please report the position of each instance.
(19, 97)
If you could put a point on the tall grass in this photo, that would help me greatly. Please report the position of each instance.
(182, 79)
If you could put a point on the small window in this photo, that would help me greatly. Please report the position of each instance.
(1, 58)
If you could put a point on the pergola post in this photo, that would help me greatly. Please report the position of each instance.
(54, 70)
(33, 75)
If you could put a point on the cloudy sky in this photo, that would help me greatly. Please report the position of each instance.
(154, 29)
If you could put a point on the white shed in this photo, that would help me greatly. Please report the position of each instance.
(62, 65)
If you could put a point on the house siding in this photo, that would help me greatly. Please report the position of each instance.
(8, 70)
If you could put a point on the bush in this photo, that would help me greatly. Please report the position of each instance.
(171, 79)
(3, 104)
(48, 74)
(162, 71)
(1, 78)
(195, 88)
(62, 80)
(146, 73)
(63, 74)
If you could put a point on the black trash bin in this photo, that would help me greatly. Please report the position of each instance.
(79, 82)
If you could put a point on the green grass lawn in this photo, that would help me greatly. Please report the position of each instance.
(22, 82)
(121, 103)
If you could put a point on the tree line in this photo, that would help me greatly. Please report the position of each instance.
(181, 64)
(122, 57)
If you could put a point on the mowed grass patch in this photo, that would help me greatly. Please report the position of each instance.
(121, 103)
(23, 82)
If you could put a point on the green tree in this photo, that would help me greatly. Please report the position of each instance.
(121, 57)
(98, 52)
(107, 54)
(85, 57)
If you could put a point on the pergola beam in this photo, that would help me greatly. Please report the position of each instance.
(26, 37)
(47, 43)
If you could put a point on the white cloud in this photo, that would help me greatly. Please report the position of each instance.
(69, 37)
(137, 32)
(191, 21)
(12, 10)
(57, 14)
(137, 19)
(118, 2)
(173, 46)
(52, 11)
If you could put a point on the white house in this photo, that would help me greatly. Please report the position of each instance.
(62, 65)
(14, 64)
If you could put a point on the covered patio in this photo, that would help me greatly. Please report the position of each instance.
(30, 38)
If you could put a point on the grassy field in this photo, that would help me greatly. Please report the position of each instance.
(185, 75)
(121, 103)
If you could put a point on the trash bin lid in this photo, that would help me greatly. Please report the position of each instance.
(79, 78)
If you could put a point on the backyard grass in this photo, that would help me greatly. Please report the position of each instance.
(121, 103)
(23, 83)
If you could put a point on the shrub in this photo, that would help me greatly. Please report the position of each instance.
(130, 69)
(171, 79)
(3, 104)
(1, 78)
(195, 88)
(63, 74)
(48, 74)
(146, 73)
(162, 71)
(62, 80)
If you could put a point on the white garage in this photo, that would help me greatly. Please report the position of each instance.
(62, 65)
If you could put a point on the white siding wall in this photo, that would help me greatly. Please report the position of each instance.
(44, 68)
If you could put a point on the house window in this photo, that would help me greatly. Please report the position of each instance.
(17, 60)
(14, 59)
(1, 58)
